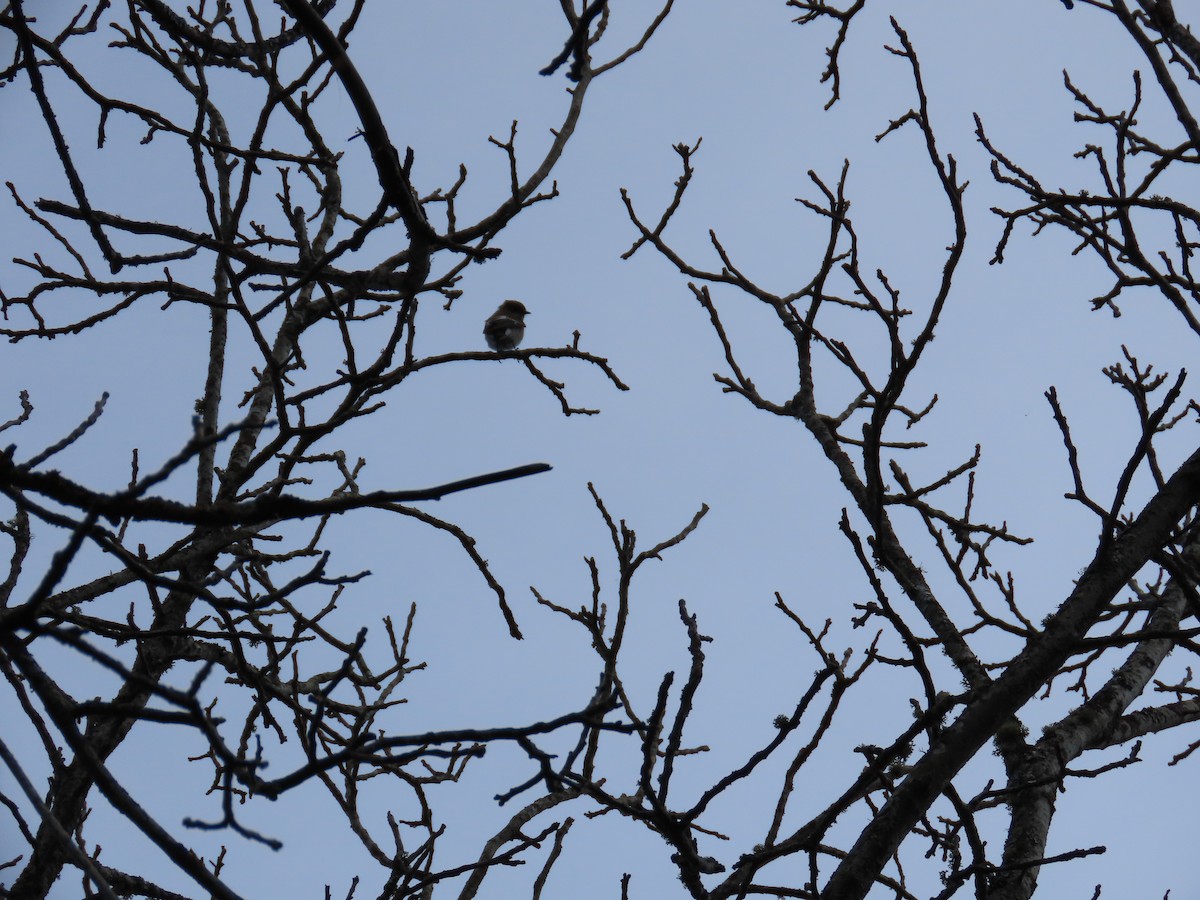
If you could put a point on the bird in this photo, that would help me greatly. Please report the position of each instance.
(506, 326)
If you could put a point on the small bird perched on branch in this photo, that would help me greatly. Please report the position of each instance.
(506, 326)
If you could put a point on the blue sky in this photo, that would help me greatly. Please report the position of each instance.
(448, 75)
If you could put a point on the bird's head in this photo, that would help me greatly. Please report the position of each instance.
(513, 308)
